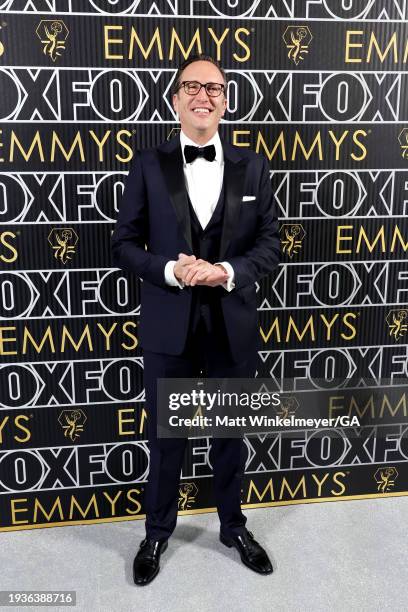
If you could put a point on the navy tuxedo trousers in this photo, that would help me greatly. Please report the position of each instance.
(206, 354)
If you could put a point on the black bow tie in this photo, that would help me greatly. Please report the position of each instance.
(191, 153)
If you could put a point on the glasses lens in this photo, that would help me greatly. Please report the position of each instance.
(192, 87)
(213, 89)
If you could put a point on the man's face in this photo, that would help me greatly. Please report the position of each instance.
(194, 123)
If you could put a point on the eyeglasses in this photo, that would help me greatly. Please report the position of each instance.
(193, 87)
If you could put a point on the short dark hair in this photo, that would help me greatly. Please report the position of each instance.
(201, 57)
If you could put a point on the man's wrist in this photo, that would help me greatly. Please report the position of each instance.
(229, 284)
(169, 276)
(222, 267)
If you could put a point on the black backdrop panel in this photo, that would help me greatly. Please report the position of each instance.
(320, 90)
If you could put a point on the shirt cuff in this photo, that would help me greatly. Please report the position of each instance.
(229, 285)
(169, 275)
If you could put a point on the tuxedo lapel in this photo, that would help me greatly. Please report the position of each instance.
(234, 177)
(171, 163)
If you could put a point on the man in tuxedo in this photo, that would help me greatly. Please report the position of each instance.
(197, 225)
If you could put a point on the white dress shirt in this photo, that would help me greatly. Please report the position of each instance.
(204, 183)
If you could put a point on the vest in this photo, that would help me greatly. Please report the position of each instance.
(206, 245)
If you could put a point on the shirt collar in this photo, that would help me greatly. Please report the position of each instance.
(215, 140)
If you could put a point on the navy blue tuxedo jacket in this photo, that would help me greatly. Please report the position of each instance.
(154, 226)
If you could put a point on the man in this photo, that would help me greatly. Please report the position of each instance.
(196, 224)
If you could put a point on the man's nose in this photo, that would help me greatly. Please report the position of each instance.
(202, 95)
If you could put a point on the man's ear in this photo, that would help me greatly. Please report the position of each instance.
(174, 102)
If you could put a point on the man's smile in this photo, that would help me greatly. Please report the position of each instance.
(202, 111)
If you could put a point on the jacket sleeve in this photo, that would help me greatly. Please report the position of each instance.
(264, 255)
(129, 250)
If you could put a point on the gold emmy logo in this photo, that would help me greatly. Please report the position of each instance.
(63, 241)
(292, 238)
(187, 495)
(297, 40)
(53, 34)
(396, 323)
(288, 406)
(403, 140)
(385, 478)
(1, 47)
(173, 132)
(72, 422)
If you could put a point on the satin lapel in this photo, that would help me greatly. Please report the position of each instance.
(171, 163)
(234, 176)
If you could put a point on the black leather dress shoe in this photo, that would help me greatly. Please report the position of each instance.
(146, 564)
(252, 553)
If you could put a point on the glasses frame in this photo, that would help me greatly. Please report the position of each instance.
(205, 85)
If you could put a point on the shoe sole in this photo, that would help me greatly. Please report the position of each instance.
(165, 545)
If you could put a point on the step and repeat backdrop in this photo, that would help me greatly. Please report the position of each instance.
(320, 88)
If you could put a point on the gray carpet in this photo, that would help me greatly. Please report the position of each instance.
(342, 556)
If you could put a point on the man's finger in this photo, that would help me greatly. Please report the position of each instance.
(189, 276)
(211, 277)
(199, 277)
(196, 278)
(186, 259)
(215, 278)
(197, 267)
